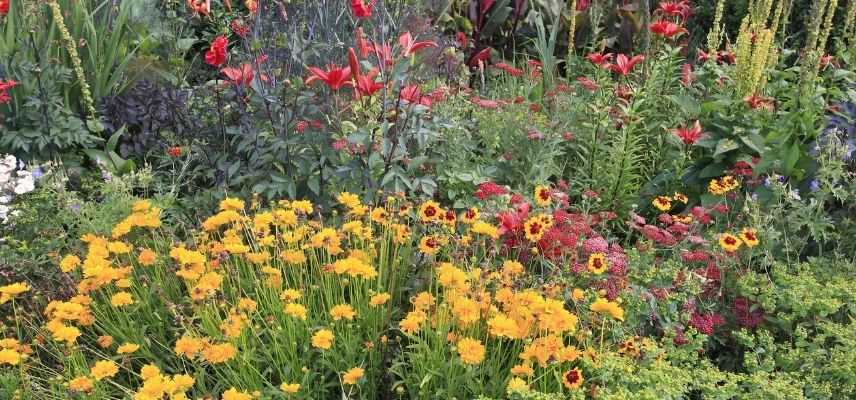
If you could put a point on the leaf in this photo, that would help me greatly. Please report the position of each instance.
(114, 139)
(791, 156)
(724, 146)
(314, 184)
(689, 105)
(184, 44)
(754, 142)
(497, 17)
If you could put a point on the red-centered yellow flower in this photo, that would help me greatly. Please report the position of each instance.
(597, 263)
(429, 245)
(535, 226)
(104, 369)
(353, 375)
(662, 203)
(749, 237)
(604, 306)
(471, 215)
(729, 242)
(379, 215)
(290, 387)
(471, 351)
(379, 299)
(323, 339)
(430, 211)
(543, 196)
(573, 379)
(343, 311)
(680, 197)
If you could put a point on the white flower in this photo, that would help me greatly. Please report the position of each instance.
(25, 183)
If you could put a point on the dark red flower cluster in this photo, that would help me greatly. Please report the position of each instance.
(4, 90)
(216, 54)
(489, 189)
(747, 313)
(706, 323)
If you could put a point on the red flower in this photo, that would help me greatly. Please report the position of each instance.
(509, 69)
(689, 135)
(4, 90)
(411, 46)
(480, 57)
(623, 65)
(756, 101)
(383, 54)
(582, 5)
(489, 189)
(485, 103)
(239, 27)
(666, 29)
(201, 7)
(687, 76)
(366, 85)
(216, 55)
(413, 95)
(462, 39)
(726, 57)
(334, 77)
(362, 43)
(588, 84)
(4, 7)
(599, 58)
(361, 9)
(252, 6)
(239, 76)
(702, 56)
(675, 9)
(174, 151)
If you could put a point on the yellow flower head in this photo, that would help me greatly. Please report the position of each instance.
(543, 196)
(127, 348)
(573, 379)
(353, 375)
(470, 350)
(104, 369)
(749, 237)
(597, 263)
(290, 387)
(604, 306)
(379, 299)
(323, 339)
(342, 311)
(729, 242)
(662, 203)
(430, 211)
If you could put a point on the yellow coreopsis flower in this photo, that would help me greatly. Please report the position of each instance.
(10, 291)
(605, 306)
(729, 242)
(471, 351)
(342, 311)
(235, 394)
(290, 387)
(9, 356)
(379, 299)
(749, 237)
(662, 203)
(353, 375)
(122, 299)
(516, 384)
(323, 339)
(69, 263)
(81, 384)
(219, 353)
(295, 310)
(127, 348)
(597, 263)
(104, 369)
(543, 196)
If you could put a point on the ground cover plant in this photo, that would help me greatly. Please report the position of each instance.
(468, 199)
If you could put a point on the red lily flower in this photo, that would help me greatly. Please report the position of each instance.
(482, 56)
(675, 9)
(334, 77)
(383, 54)
(410, 46)
(689, 135)
(756, 101)
(201, 7)
(623, 65)
(361, 9)
(353, 63)
(239, 76)
(702, 56)
(461, 39)
(216, 54)
(599, 58)
(362, 43)
(4, 7)
(366, 85)
(666, 29)
(413, 95)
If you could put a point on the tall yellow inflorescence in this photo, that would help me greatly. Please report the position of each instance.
(714, 37)
(71, 48)
(754, 46)
(572, 26)
(849, 31)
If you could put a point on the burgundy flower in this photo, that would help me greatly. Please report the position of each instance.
(489, 189)
(588, 84)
